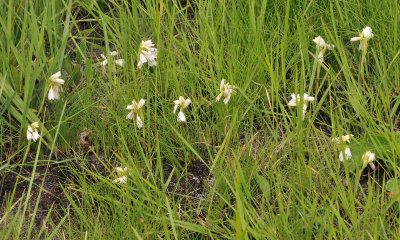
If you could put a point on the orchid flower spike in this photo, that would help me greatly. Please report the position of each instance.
(147, 53)
(296, 100)
(32, 132)
(121, 172)
(227, 90)
(182, 103)
(368, 158)
(346, 140)
(113, 54)
(322, 47)
(136, 109)
(55, 86)
(364, 37)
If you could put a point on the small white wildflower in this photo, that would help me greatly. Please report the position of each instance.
(147, 53)
(369, 158)
(121, 172)
(364, 37)
(120, 180)
(347, 154)
(32, 132)
(296, 100)
(182, 103)
(321, 47)
(227, 90)
(345, 139)
(136, 109)
(55, 85)
(113, 54)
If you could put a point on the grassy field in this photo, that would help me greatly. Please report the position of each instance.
(260, 166)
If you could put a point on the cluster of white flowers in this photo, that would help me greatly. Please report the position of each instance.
(227, 90)
(113, 54)
(182, 104)
(297, 100)
(32, 132)
(147, 53)
(135, 108)
(346, 140)
(121, 172)
(322, 47)
(55, 86)
(364, 37)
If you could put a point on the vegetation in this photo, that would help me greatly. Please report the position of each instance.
(259, 165)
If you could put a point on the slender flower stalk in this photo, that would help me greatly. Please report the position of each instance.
(32, 132)
(226, 90)
(182, 103)
(135, 108)
(55, 86)
(147, 53)
(364, 37)
(297, 100)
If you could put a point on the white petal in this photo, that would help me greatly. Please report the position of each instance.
(219, 97)
(141, 103)
(56, 75)
(360, 48)
(52, 94)
(187, 102)
(35, 136)
(130, 115)
(353, 39)
(341, 156)
(119, 62)
(181, 117)
(152, 63)
(59, 80)
(226, 100)
(113, 53)
(129, 107)
(347, 153)
(221, 87)
(139, 122)
(29, 135)
(104, 63)
(175, 107)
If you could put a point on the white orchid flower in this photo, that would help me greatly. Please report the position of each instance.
(347, 154)
(113, 54)
(227, 90)
(136, 109)
(296, 100)
(322, 47)
(55, 85)
(147, 53)
(121, 172)
(182, 103)
(32, 132)
(364, 37)
(369, 158)
(345, 139)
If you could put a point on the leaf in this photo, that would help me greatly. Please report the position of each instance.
(264, 185)
(393, 187)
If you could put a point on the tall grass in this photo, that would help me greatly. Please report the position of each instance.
(250, 169)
